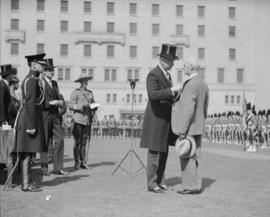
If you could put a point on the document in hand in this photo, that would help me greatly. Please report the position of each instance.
(95, 105)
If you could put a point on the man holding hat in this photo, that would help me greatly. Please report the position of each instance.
(157, 134)
(188, 117)
(52, 122)
(5, 98)
(80, 101)
(30, 136)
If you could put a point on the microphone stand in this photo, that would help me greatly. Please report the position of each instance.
(131, 151)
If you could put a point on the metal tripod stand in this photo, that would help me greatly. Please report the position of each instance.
(131, 151)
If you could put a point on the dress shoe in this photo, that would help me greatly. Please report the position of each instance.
(76, 167)
(156, 190)
(84, 166)
(165, 188)
(32, 188)
(186, 191)
(60, 172)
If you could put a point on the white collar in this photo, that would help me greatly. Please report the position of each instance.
(163, 70)
(6, 82)
(49, 81)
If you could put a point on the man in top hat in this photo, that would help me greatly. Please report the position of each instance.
(188, 118)
(157, 134)
(80, 101)
(30, 136)
(52, 122)
(5, 98)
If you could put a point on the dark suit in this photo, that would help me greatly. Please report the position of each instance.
(4, 102)
(157, 133)
(53, 127)
(188, 116)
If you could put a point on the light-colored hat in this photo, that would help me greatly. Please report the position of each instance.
(186, 147)
(83, 77)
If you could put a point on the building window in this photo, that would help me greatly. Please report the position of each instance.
(155, 9)
(220, 75)
(179, 10)
(133, 74)
(14, 49)
(133, 28)
(64, 5)
(63, 49)
(155, 52)
(87, 51)
(110, 7)
(88, 72)
(202, 73)
(180, 52)
(133, 9)
(226, 99)
(179, 76)
(108, 98)
(201, 30)
(232, 99)
(114, 98)
(110, 75)
(155, 29)
(128, 98)
(40, 5)
(87, 26)
(15, 5)
(201, 53)
(110, 50)
(63, 74)
(232, 54)
(63, 25)
(140, 98)
(40, 48)
(110, 27)
(14, 24)
(87, 6)
(40, 25)
(133, 51)
(201, 11)
(232, 31)
(232, 12)
(238, 99)
(179, 29)
(240, 76)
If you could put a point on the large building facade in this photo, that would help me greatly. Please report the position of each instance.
(118, 40)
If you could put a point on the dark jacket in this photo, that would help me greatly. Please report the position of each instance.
(31, 117)
(157, 133)
(4, 102)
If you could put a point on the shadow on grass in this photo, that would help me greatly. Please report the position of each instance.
(103, 163)
(63, 179)
(206, 182)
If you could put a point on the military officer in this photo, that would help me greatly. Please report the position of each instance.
(30, 136)
(80, 101)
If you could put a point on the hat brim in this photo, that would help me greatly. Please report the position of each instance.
(84, 78)
(6, 73)
(192, 148)
(169, 57)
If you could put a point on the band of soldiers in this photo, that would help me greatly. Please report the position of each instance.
(250, 129)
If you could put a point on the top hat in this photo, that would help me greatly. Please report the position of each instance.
(259, 112)
(49, 63)
(237, 113)
(168, 51)
(83, 77)
(38, 58)
(263, 112)
(248, 106)
(6, 69)
(185, 148)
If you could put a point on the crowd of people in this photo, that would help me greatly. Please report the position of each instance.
(250, 129)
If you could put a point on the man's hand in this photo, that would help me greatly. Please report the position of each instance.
(177, 87)
(54, 102)
(31, 132)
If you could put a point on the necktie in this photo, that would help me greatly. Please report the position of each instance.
(169, 78)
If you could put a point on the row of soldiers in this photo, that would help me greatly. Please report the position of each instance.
(250, 129)
(110, 127)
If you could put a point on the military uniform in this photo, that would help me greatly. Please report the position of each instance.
(80, 100)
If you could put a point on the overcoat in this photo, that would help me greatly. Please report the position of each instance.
(190, 111)
(4, 102)
(30, 117)
(157, 133)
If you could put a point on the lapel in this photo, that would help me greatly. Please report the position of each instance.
(162, 77)
(50, 90)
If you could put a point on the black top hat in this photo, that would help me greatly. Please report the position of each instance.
(6, 69)
(38, 58)
(229, 113)
(237, 113)
(260, 112)
(248, 106)
(263, 112)
(49, 63)
(168, 51)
